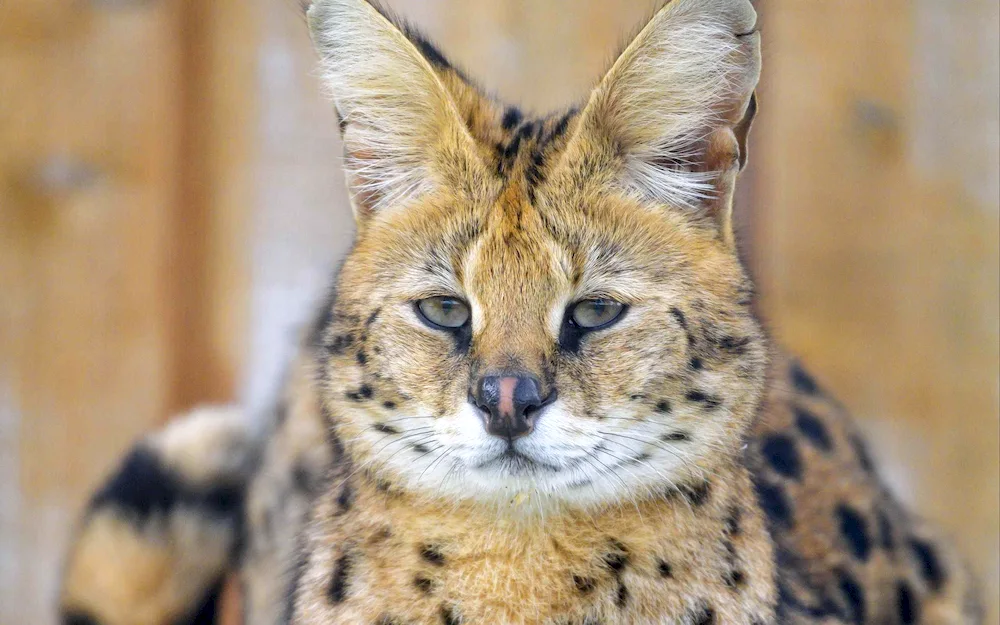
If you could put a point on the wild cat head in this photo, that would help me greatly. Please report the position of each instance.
(546, 306)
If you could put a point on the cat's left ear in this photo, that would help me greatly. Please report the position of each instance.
(672, 115)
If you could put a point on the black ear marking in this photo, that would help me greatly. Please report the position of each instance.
(512, 116)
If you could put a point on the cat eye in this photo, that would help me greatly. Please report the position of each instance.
(592, 314)
(443, 312)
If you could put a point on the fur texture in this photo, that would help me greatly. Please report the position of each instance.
(683, 471)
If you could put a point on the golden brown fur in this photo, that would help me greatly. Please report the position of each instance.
(685, 471)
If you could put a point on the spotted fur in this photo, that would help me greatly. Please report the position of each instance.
(685, 471)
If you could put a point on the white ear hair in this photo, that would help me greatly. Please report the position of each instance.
(393, 108)
(689, 72)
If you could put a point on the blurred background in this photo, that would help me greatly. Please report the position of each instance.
(171, 205)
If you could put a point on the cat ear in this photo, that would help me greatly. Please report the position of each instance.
(673, 113)
(402, 132)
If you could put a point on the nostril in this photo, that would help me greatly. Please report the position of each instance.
(535, 407)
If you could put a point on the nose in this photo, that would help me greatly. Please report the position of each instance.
(510, 403)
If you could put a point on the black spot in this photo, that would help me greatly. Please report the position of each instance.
(734, 344)
(511, 117)
(449, 617)
(783, 456)
(362, 357)
(663, 406)
(304, 480)
(386, 429)
(854, 529)
(143, 487)
(423, 584)
(733, 521)
(345, 498)
(372, 317)
(617, 559)
(703, 615)
(696, 363)
(207, 609)
(432, 554)
(679, 316)
(803, 381)
(338, 580)
(813, 429)
(432, 54)
(864, 456)
(906, 603)
(621, 599)
(775, 503)
(364, 392)
(79, 618)
(338, 344)
(664, 569)
(930, 565)
(421, 448)
(854, 596)
(389, 405)
(583, 585)
(734, 579)
(682, 321)
(676, 437)
(711, 402)
(885, 531)
(696, 494)
(637, 397)
(561, 125)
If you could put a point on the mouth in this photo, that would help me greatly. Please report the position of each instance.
(514, 462)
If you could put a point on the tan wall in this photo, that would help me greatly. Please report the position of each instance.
(170, 205)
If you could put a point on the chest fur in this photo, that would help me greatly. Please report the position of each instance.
(691, 555)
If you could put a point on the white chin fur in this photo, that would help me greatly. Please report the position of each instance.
(575, 461)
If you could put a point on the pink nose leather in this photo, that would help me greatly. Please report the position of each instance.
(506, 404)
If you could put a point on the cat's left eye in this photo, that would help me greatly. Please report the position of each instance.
(592, 314)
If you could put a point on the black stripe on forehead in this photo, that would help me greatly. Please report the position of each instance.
(536, 138)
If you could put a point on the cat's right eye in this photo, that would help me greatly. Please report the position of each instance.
(447, 313)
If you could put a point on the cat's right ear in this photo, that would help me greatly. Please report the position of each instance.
(402, 132)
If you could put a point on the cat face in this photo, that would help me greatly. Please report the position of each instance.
(547, 307)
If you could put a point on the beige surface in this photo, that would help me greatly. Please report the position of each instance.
(876, 250)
